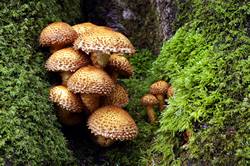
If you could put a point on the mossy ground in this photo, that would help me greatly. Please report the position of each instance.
(207, 62)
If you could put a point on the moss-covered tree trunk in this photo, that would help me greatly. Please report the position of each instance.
(29, 132)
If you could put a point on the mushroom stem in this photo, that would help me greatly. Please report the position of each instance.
(114, 76)
(69, 118)
(102, 141)
(99, 59)
(90, 101)
(160, 98)
(65, 75)
(151, 114)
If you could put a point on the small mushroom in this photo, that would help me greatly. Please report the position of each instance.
(89, 81)
(111, 123)
(159, 89)
(149, 101)
(119, 65)
(57, 35)
(102, 41)
(66, 100)
(170, 91)
(119, 97)
(66, 61)
(83, 27)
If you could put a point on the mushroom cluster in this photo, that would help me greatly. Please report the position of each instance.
(158, 92)
(89, 59)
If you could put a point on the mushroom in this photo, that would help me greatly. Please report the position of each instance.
(119, 65)
(83, 27)
(159, 89)
(57, 35)
(69, 118)
(111, 123)
(149, 101)
(66, 61)
(170, 91)
(100, 42)
(90, 101)
(90, 82)
(66, 100)
(119, 97)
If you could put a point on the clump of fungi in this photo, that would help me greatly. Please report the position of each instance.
(159, 91)
(89, 58)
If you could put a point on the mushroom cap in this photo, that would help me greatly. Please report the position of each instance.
(57, 34)
(120, 64)
(149, 99)
(104, 40)
(66, 59)
(159, 87)
(119, 97)
(170, 91)
(90, 80)
(83, 27)
(66, 100)
(112, 122)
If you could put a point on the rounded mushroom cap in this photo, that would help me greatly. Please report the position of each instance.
(66, 100)
(112, 122)
(83, 27)
(159, 87)
(119, 97)
(90, 80)
(57, 34)
(104, 40)
(120, 64)
(66, 59)
(149, 99)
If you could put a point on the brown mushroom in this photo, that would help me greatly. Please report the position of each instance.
(89, 81)
(119, 65)
(111, 123)
(69, 118)
(91, 101)
(100, 42)
(170, 91)
(66, 100)
(159, 89)
(149, 101)
(119, 97)
(66, 61)
(83, 27)
(57, 35)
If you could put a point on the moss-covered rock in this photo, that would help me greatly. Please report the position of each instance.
(29, 132)
(207, 62)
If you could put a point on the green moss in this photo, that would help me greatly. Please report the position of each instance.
(207, 62)
(29, 133)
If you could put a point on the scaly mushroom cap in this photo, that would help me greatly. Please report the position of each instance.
(57, 34)
(149, 99)
(120, 64)
(90, 80)
(119, 97)
(159, 87)
(104, 40)
(83, 27)
(66, 59)
(112, 122)
(66, 100)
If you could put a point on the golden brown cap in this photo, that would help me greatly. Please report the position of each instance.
(120, 64)
(104, 40)
(119, 97)
(149, 99)
(159, 87)
(57, 34)
(90, 80)
(112, 122)
(83, 27)
(66, 59)
(62, 97)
